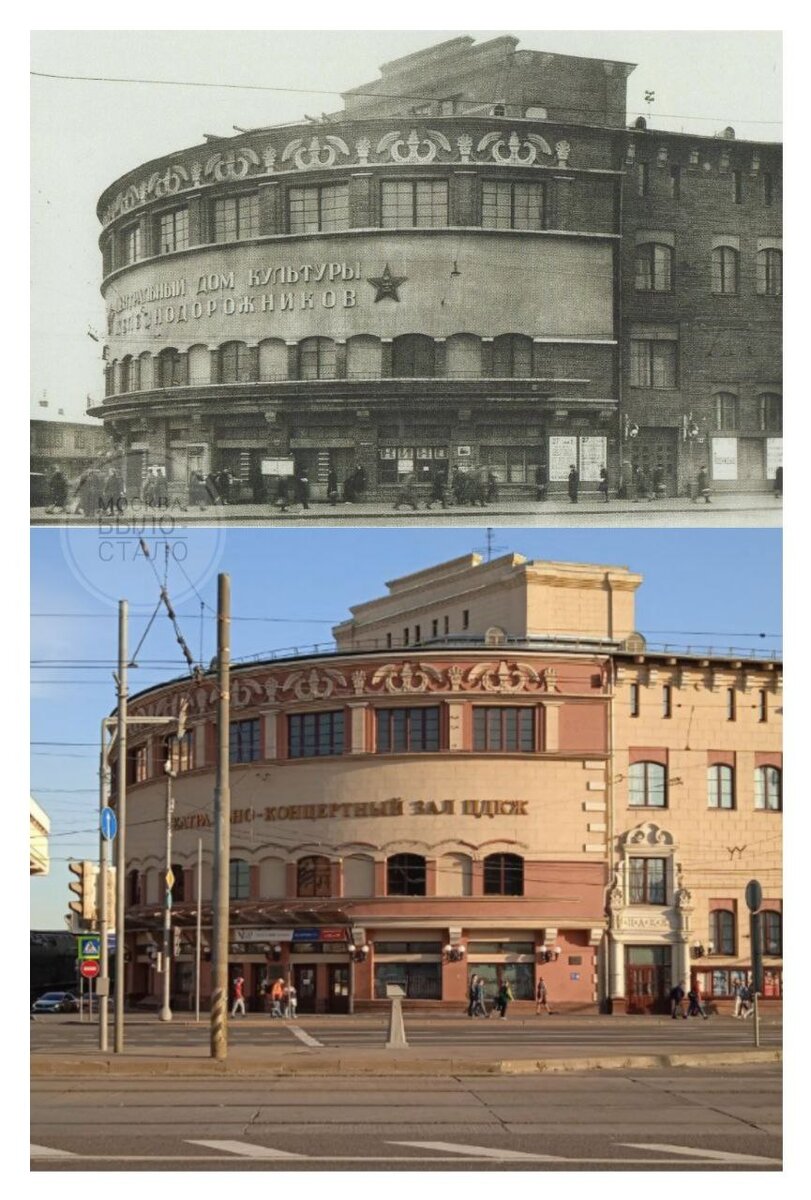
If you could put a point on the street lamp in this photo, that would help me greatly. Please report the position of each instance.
(170, 772)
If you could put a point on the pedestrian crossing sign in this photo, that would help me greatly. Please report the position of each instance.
(89, 947)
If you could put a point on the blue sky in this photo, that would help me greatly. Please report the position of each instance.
(718, 588)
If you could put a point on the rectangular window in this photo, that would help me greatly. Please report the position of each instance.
(179, 752)
(406, 636)
(465, 618)
(762, 706)
(236, 218)
(730, 704)
(520, 977)
(388, 641)
(318, 209)
(737, 187)
(646, 882)
(417, 634)
(634, 700)
(667, 700)
(313, 735)
(675, 183)
(641, 179)
(653, 363)
(768, 189)
(132, 244)
(419, 981)
(408, 948)
(245, 741)
(137, 764)
(400, 730)
(508, 205)
(720, 787)
(496, 728)
(174, 231)
(435, 628)
(422, 202)
(447, 625)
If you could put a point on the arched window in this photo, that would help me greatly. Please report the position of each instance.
(405, 875)
(236, 363)
(239, 879)
(317, 358)
(771, 412)
(771, 931)
(768, 788)
(512, 356)
(273, 359)
(647, 785)
(134, 892)
(171, 368)
(724, 271)
(726, 410)
(313, 876)
(126, 371)
(179, 885)
(145, 370)
(720, 786)
(722, 931)
(413, 357)
(654, 267)
(364, 357)
(464, 356)
(504, 875)
(770, 272)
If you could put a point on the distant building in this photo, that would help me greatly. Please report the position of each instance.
(71, 445)
(39, 829)
(475, 265)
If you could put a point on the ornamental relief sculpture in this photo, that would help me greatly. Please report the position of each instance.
(329, 150)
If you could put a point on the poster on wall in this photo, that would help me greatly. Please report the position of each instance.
(592, 458)
(278, 466)
(724, 458)
(774, 456)
(562, 453)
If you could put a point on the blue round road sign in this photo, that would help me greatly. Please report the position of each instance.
(109, 824)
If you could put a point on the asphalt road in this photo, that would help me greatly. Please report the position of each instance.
(664, 1120)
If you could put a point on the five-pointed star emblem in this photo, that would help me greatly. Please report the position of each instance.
(387, 285)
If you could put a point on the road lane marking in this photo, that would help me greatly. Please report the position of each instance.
(47, 1152)
(246, 1149)
(304, 1036)
(388, 1159)
(478, 1151)
(694, 1152)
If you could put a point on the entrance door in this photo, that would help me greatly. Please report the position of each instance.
(304, 980)
(338, 999)
(647, 988)
(654, 448)
(751, 460)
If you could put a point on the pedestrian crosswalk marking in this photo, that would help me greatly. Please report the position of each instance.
(479, 1151)
(304, 1036)
(245, 1149)
(695, 1152)
(47, 1152)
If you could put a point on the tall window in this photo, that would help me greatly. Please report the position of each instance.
(422, 202)
(667, 700)
(171, 368)
(137, 764)
(720, 790)
(654, 268)
(317, 358)
(646, 880)
(770, 272)
(512, 356)
(675, 183)
(768, 788)
(731, 704)
(726, 410)
(239, 879)
(131, 238)
(725, 271)
(771, 931)
(311, 735)
(173, 231)
(179, 752)
(236, 218)
(762, 705)
(236, 363)
(511, 205)
(179, 885)
(504, 875)
(405, 875)
(403, 729)
(126, 372)
(318, 209)
(737, 187)
(413, 357)
(771, 412)
(646, 785)
(245, 741)
(642, 179)
(634, 702)
(134, 887)
(496, 728)
(722, 931)
(313, 876)
(653, 363)
(768, 189)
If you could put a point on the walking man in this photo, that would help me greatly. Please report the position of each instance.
(437, 489)
(747, 1001)
(695, 1005)
(602, 486)
(479, 1007)
(407, 494)
(505, 995)
(471, 995)
(276, 997)
(703, 487)
(574, 483)
(239, 997)
(677, 1001)
(58, 491)
(737, 989)
(542, 998)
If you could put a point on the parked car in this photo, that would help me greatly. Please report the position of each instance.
(56, 1002)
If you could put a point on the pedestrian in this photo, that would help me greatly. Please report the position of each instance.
(283, 493)
(360, 482)
(503, 999)
(695, 1005)
(437, 489)
(658, 482)
(574, 483)
(276, 997)
(677, 1001)
(602, 486)
(224, 480)
(703, 485)
(292, 1001)
(407, 493)
(239, 996)
(477, 485)
(778, 484)
(640, 483)
(747, 1001)
(541, 482)
(471, 995)
(542, 998)
(332, 486)
(198, 494)
(212, 489)
(112, 491)
(58, 491)
(302, 488)
(479, 1006)
(737, 989)
(491, 494)
(161, 488)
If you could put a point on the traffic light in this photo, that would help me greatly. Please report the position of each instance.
(110, 897)
(84, 887)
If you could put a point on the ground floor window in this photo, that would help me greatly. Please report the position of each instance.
(398, 462)
(520, 976)
(512, 464)
(419, 981)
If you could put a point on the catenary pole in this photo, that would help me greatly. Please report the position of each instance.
(222, 826)
(121, 813)
(199, 929)
(166, 1006)
(103, 986)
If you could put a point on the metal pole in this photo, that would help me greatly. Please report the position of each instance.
(199, 929)
(757, 1018)
(121, 813)
(103, 987)
(166, 1009)
(81, 996)
(222, 827)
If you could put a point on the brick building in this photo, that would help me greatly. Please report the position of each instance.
(473, 266)
(492, 773)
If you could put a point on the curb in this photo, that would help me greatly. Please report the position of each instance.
(392, 1064)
